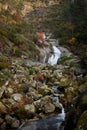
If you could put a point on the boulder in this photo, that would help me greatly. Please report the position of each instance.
(30, 108)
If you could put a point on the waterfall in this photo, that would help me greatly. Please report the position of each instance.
(61, 116)
(53, 59)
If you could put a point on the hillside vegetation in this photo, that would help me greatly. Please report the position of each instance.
(29, 89)
(21, 19)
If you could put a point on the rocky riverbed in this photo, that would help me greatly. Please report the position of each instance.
(31, 91)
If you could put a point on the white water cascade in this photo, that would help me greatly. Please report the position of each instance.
(53, 59)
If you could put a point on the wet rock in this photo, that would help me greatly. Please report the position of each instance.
(9, 120)
(55, 89)
(49, 108)
(15, 124)
(17, 97)
(9, 91)
(58, 106)
(55, 99)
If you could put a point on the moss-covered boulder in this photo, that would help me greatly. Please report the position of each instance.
(64, 82)
(4, 62)
(82, 122)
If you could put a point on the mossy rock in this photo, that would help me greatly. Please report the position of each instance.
(83, 87)
(64, 58)
(19, 38)
(64, 82)
(16, 51)
(31, 71)
(4, 62)
(21, 113)
(84, 99)
(3, 58)
(30, 108)
(82, 122)
(4, 65)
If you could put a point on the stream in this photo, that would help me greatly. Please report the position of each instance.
(50, 123)
(54, 122)
(53, 59)
(38, 95)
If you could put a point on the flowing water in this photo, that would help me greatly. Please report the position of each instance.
(53, 122)
(50, 123)
(53, 59)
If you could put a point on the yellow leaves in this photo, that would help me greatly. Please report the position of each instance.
(7, 19)
(3, 6)
(12, 22)
(3, 32)
(3, 18)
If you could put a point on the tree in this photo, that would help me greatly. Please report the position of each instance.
(75, 12)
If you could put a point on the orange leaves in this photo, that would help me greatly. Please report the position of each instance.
(41, 36)
(72, 40)
(40, 76)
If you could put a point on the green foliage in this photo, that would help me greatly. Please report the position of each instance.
(68, 19)
(64, 59)
(31, 71)
(14, 3)
(21, 113)
(7, 75)
(4, 62)
(16, 51)
(33, 51)
(76, 13)
(19, 38)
